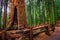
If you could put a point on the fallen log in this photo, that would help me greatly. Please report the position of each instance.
(26, 30)
(15, 33)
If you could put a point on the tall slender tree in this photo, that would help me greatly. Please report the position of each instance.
(38, 12)
(5, 13)
(1, 5)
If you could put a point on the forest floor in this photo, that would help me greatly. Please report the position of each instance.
(54, 35)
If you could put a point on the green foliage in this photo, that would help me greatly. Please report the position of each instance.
(57, 3)
(40, 11)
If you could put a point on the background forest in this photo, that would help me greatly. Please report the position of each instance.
(57, 7)
(37, 12)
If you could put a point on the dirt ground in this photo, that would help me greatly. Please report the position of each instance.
(54, 35)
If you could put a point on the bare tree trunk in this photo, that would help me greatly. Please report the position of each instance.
(1, 4)
(5, 13)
